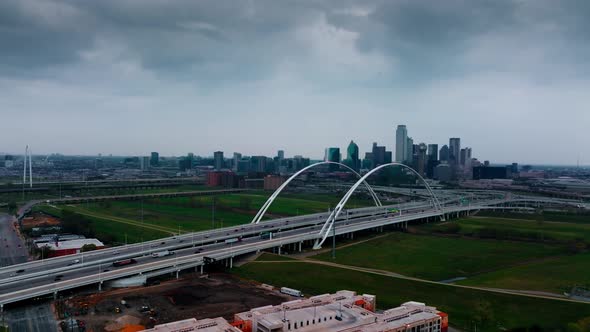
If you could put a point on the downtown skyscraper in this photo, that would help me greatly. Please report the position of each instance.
(401, 141)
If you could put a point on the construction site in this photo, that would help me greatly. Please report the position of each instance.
(138, 308)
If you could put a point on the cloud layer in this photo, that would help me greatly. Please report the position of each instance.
(129, 77)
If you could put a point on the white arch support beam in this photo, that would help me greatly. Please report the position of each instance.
(325, 231)
(274, 195)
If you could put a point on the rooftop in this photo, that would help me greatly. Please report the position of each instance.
(70, 244)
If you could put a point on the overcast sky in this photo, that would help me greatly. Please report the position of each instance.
(511, 78)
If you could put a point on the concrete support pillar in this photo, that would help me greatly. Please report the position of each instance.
(202, 266)
(177, 272)
(300, 246)
(279, 249)
(99, 286)
(231, 262)
(55, 295)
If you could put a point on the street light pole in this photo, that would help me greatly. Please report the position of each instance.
(334, 239)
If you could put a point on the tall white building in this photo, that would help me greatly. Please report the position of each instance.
(401, 139)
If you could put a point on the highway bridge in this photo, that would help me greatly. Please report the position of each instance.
(50, 276)
(195, 250)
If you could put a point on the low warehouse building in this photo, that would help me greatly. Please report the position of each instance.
(62, 248)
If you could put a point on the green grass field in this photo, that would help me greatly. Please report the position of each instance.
(91, 191)
(161, 217)
(493, 311)
(545, 216)
(556, 274)
(119, 230)
(438, 258)
(518, 229)
(266, 257)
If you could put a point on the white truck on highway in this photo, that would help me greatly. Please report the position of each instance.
(233, 240)
(162, 253)
(291, 291)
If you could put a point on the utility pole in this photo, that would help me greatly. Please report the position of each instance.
(334, 239)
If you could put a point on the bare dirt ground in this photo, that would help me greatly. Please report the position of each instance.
(39, 219)
(219, 295)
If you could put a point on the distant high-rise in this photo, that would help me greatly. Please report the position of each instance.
(258, 163)
(409, 151)
(186, 163)
(236, 161)
(454, 150)
(379, 154)
(144, 163)
(432, 152)
(154, 159)
(431, 159)
(421, 158)
(353, 155)
(218, 160)
(465, 157)
(462, 156)
(368, 160)
(333, 154)
(279, 160)
(444, 153)
(401, 139)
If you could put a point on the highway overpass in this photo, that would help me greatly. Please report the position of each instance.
(38, 278)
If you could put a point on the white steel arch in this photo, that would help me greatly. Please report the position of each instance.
(274, 195)
(325, 231)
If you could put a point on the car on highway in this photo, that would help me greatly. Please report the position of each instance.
(58, 277)
(75, 261)
(20, 271)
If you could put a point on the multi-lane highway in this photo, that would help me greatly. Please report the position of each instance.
(12, 247)
(31, 279)
(37, 278)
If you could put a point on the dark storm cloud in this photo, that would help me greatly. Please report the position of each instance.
(173, 66)
(204, 37)
(430, 38)
(33, 38)
(217, 40)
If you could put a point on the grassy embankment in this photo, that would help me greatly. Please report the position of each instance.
(490, 311)
(162, 217)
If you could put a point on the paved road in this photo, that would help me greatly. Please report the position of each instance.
(12, 246)
(32, 318)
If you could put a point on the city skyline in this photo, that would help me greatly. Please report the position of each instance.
(127, 78)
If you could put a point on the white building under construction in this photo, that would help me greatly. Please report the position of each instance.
(344, 311)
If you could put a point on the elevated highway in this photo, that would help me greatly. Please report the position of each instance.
(38, 278)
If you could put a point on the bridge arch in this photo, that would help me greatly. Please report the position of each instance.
(327, 227)
(274, 195)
